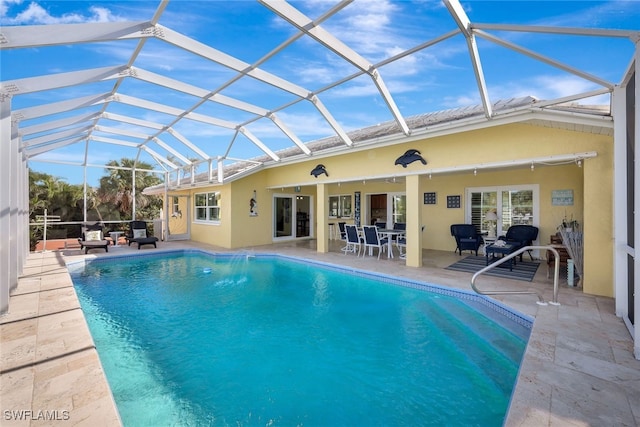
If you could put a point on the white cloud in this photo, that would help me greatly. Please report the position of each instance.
(5, 5)
(34, 13)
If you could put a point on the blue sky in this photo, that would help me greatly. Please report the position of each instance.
(433, 79)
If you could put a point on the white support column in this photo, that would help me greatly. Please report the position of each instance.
(322, 213)
(133, 194)
(621, 248)
(23, 220)
(5, 201)
(414, 221)
(14, 161)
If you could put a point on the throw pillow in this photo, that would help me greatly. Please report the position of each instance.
(92, 236)
(137, 234)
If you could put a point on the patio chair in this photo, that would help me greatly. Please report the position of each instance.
(401, 226)
(467, 237)
(343, 232)
(401, 244)
(372, 240)
(521, 235)
(138, 233)
(354, 241)
(93, 238)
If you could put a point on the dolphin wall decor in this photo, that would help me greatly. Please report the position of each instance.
(408, 157)
(319, 170)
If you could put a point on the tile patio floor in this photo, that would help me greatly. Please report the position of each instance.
(578, 368)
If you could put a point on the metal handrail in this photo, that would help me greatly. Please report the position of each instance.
(556, 275)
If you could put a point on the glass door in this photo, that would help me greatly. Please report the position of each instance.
(282, 217)
(398, 208)
(292, 216)
(494, 209)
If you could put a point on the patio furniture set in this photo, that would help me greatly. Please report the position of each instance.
(93, 237)
(468, 238)
(369, 237)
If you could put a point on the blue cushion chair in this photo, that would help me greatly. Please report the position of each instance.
(467, 237)
(521, 235)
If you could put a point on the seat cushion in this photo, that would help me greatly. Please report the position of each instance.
(93, 236)
(139, 234)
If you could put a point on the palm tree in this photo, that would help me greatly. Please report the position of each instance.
(116, 189)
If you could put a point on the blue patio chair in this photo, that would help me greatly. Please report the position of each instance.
(354, 241)
(521, 235)
(372, 239)
(467, 237)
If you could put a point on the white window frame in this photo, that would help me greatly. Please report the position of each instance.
(534, 188)
(207, 208)
(341, 211)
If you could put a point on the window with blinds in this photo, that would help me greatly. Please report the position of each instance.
(512, 205)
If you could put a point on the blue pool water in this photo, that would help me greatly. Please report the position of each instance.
(273, 341)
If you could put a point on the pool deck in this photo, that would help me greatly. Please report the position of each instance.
(578, 368)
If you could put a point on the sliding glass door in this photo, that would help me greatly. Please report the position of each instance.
(292, 216)
(512, 205)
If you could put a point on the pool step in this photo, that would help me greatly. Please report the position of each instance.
(501, 365)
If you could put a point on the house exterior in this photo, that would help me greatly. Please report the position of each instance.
(536, 168)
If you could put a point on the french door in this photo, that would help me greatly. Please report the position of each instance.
(292, 216)
(517, 204)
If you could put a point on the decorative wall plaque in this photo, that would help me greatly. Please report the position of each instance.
(453, 202)
(562, 197)
(430, 198)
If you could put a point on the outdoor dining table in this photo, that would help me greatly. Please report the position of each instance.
(388, 232)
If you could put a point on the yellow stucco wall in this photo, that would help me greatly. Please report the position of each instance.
(591, 185)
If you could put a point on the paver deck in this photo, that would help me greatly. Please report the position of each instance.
(578, 369)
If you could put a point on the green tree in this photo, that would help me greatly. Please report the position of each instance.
(58, 198)
(116, 191)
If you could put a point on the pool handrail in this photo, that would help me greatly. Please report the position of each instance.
(556, 275)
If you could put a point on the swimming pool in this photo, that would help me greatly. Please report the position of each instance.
(272, 340)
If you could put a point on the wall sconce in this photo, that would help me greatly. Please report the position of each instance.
(319, 170)
(409, 157)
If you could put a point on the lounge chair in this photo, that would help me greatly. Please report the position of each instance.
(467, 237)
(138, 233)
(521, 235)
(93, 238)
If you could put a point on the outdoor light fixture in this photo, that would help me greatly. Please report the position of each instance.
(532, 167)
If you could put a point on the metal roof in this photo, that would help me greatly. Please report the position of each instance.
(115, 102)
